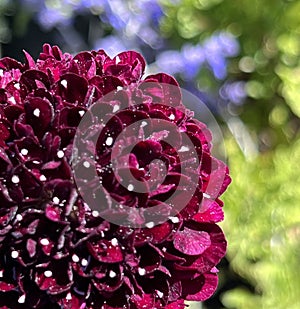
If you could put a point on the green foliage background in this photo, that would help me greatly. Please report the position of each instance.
(262, 205)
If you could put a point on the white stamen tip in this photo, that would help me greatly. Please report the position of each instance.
(55, 200)
(24, 152)
(112, 274)
(114, 242)
(206, 195)
(150, 224)
(69, 296)
(142, 271)
(174, 219)
(48, 273)
(143, 124)
(184, 149)
(86, 164)
(84, 262)
(109, 141)
(43, 178)
(75, 258)
(160, 294)
(95, 213)
(60, 154)
(44, 242)
(19, 217)
(21, 299)
(116, 107)
(36, 112)
(64, 83)
(14, 254)
(15, 179)
(130, 187)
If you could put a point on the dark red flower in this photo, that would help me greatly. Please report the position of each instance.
(65, 247)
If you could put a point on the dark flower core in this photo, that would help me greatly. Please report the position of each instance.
(57, 250)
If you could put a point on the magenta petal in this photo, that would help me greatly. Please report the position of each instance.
(179, 304)
(83, 64)
(191, 242)
(39, 114)
(30, 63)
(31, 247)
(106, 251)
(72, 88)
(210, 211)
(6, 287)
(53, 213)
(33, 79)
(201, 288)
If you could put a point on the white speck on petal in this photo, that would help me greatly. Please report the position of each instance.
(36, 112)
(109, 141)
(64, 83)
(48, 273)
(15, 179)
(112, 274)
(56, 200)
(130, 187)
(86, 164)
(143, 124)
(119, 87)
(12, 100)
(95, 213)
(116, 107)
(69, 296)
(150, 224)
(206, 195)
(44, 242)
(75, 258)
(60, 154)
(81, 113)
(174, 219)
(43, 178)
(14, 254)
(19, 217)
(114, 241)
(142, 271)
(160, 294)
(17, 86)
(184, 149)
(172, 117)
(118, 59)
(24, 152)
(1, 273)
(84, 262)
(21, 299)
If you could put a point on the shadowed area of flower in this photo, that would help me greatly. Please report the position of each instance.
(56, 251)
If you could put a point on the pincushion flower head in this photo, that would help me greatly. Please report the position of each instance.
(101, 203)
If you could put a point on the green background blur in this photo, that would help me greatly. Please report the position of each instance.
(262, 205)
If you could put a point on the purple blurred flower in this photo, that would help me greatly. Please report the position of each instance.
(112, 44)
(188, 62)
(235, 92)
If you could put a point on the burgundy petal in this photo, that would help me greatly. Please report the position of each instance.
(6, 287)
(191, 242)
